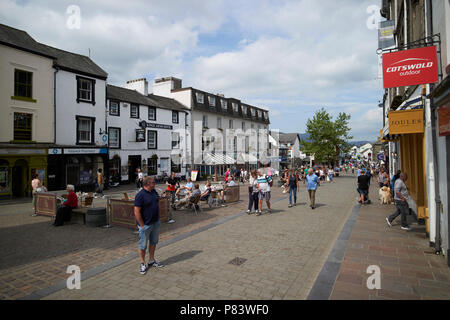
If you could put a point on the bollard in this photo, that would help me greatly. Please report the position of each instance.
(108, 212)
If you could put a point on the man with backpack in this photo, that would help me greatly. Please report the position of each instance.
(264, 182)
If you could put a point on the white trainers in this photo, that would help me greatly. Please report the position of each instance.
(388, 222)
(143, 268)
(171, 221)
(406, 228)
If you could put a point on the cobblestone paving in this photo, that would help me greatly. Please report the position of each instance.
(409, 268)
(35, 255)
(284, 253)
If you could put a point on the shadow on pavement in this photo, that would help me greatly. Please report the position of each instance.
(181, 257)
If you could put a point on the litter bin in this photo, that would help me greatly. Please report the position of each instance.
(96, 217)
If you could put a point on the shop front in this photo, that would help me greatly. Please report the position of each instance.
(77, 167)
(408, 126)
(17, 166)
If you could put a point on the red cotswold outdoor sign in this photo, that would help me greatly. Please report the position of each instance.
(410, 67)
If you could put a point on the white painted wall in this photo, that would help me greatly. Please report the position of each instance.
(67, 108)
(129, 146)
(42, 91)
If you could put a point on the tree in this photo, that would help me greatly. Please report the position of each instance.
(327, 138)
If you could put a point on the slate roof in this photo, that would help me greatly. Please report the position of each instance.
(73, 62)
(132, 96)
(288, 137)
(19, 39)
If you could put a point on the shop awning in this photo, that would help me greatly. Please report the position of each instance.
(246, 157)
(415, 102)
(217, 159)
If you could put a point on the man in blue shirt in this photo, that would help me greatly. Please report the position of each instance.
(146, 210)
(312, 183)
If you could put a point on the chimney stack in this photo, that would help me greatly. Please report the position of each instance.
(164, 86)
(140, 85)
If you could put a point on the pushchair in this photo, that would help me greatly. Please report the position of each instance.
(366, 197)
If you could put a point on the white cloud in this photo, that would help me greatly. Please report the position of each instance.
(290, 57)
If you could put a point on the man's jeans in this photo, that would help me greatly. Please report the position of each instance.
(292, 190)
(402, 209)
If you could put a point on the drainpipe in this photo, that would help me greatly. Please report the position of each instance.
(54, 102)
(437, 197)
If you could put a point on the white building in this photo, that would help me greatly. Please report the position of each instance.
(366, 152)
(81, 142)
(224, 131)
(146, 132)
(290, 153)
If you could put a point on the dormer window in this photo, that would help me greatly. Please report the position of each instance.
(212, 101)
(199, 97)
(224, 104)
(235, 107)
(253, 112)
(259, 114)
(244, 110)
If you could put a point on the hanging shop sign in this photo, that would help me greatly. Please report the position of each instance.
(444, 120)
(386, 34)
(406, 121)
(410, 67)
(140, 135)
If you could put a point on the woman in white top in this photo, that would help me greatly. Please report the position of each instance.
(253, 192)
(330, 174)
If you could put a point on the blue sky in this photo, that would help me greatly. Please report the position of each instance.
(290, 57)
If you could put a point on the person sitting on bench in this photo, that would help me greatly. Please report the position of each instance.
(230, 183)
(189, 199)
(205, 195)
(64, 211)
(188, 187)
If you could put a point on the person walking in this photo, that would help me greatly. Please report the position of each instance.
(146, 211)
(35, 185)
(139, 179)
(263, 184)
(330, 174)
(171, 190)
(383, 179)
(253, 192)
(401, 197)
(100, 184)
(293, 187)
(312, 183)
(227, 174)
(363, 187)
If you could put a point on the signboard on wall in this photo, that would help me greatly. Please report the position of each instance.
(406, 121)
(410, 67)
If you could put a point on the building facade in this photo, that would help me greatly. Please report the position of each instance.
(27, 111)
(289, 151)
(423, 154)
(81, 146)
(57, 114)
(225, 132)
(145, 131)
